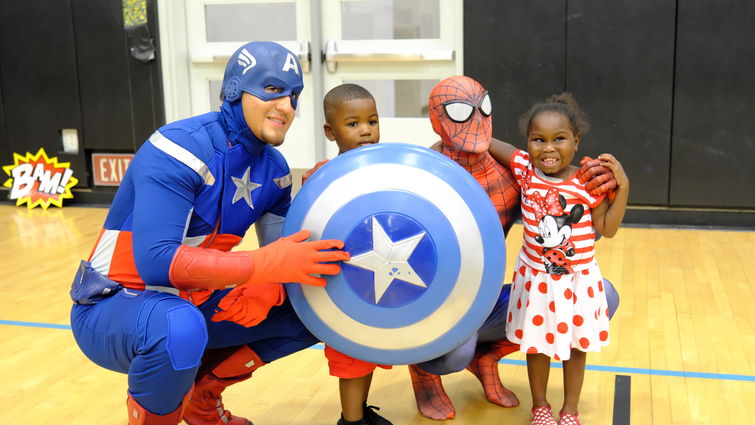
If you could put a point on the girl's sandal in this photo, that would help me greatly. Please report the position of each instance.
(568, 419)
(542, 415)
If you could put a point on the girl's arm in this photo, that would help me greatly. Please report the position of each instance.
(501, 151)
(607, 216)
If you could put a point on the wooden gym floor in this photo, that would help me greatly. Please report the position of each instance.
(681, 344)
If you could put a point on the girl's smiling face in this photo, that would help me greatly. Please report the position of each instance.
(551, 143)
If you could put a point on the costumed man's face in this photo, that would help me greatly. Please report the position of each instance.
(268, 120)
(266, 79)
(460, 113)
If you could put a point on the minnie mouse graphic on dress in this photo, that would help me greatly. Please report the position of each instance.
(555, 230)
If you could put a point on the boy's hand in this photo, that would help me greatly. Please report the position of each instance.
(597, 178)
(308, 174)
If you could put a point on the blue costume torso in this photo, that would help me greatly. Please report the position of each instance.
(202, 181)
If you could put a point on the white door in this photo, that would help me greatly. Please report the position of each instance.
(396, 49)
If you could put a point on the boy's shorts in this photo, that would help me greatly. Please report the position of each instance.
(343, 366)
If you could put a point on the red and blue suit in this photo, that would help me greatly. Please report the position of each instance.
(460, 113)
(190, 195)
(180, 191)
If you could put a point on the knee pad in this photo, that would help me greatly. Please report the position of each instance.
(187, 336)
(183, 328)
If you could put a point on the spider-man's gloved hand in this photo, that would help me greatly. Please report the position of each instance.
(596, 178)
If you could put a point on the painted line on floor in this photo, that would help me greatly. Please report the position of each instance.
(34, 324)
(645, 371)
(622, 395)
(598, 368)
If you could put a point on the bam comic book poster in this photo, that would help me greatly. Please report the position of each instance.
(37, 180)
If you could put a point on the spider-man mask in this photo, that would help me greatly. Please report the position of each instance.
(460, 113)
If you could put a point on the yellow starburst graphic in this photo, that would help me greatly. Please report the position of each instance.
(38, 180)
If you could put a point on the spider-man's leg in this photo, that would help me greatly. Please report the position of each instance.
(484, 364)
(432, 400)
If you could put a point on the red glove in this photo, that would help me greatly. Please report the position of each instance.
(248, 305)
(290, 259)
(596, 178)
(309, 173)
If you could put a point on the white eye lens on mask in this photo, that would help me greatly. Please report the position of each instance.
(458, 112)
(485, 106)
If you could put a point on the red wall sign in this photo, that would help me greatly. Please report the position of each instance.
(108, 168)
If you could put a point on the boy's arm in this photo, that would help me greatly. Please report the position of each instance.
(608, 215)
(309, 173)
(501, 151)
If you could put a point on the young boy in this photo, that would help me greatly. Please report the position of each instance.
(351, 119)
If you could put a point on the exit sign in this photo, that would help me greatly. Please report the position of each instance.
(108, 168)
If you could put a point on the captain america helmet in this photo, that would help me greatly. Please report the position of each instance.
(261, 64)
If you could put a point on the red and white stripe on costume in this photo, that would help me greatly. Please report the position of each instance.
(582, 235)
(113, 257)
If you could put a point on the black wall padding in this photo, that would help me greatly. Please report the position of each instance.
(5, 155)
(619, 66)
(668, 84)
(39, 77)
(105, 93)
(713, 145)
(516, 50)
(119, 94)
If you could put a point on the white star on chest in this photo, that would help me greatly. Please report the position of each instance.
(244, 188)
(388, 260)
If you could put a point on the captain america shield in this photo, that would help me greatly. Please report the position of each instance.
(427, 253)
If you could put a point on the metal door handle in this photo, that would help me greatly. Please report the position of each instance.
(221, 57)
(332, 55)
(305, 56)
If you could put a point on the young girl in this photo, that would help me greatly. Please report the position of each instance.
(558, 305)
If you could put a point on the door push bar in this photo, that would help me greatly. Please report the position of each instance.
(304, 55)
(332, 55)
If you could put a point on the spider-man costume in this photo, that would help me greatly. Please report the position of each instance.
(460, 112)
(155, 292)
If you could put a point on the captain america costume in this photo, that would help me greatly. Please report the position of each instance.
(189, 196)
(166, 187)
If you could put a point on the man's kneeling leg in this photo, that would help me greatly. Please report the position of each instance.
(220, 369)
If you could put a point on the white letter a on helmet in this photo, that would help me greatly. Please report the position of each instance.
(290, 64)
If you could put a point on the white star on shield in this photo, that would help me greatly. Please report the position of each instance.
(244, 188)
(388, 260)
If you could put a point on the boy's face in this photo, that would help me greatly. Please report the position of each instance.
(352, 124)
